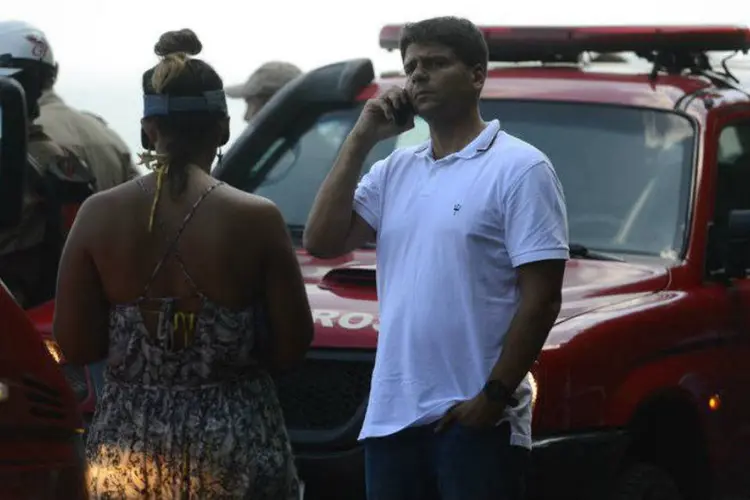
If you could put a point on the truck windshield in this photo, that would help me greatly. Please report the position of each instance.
(626, 172)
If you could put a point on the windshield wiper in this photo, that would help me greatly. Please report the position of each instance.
(578, 251)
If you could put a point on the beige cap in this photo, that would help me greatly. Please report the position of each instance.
(265, 81)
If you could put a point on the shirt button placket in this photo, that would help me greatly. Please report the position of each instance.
(431, 179)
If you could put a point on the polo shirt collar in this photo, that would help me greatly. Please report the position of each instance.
(479, 145)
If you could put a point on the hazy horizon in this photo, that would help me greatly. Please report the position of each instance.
(103, 48)
(123, 113)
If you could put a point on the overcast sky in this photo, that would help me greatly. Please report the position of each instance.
(103, 46)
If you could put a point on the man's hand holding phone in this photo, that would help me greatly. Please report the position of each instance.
(385, 116)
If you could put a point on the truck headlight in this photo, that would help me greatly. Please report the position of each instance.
(54, 350)
(74, 375)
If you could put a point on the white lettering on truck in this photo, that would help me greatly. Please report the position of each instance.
(348, 321)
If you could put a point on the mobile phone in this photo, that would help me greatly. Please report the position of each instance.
(402, 114)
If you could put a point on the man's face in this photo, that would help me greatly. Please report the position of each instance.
(254, 105)
(438, 82)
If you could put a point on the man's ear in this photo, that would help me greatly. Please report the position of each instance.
(479, 75)
(55, 72)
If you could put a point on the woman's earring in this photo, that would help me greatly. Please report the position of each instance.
(146, 158)
(219, 157)
(151, 160)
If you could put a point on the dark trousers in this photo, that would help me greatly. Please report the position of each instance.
(459, 463)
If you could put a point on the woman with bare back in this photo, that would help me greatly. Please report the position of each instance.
(192, 292)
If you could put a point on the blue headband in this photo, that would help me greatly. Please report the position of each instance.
(162, 105)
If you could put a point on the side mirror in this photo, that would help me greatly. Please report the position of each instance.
(13, 140)
(737, 250)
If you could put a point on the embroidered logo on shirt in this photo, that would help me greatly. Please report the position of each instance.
(456, 208)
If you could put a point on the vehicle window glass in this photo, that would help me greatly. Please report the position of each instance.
(733, 166)
(416, 136)
(294, 180)
(729, 144)
(626, 172)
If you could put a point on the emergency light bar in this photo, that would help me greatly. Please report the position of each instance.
(548, 44)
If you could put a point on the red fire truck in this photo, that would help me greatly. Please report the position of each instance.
(642, 387)
(41, 453)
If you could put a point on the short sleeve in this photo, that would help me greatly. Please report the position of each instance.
(536, 225)
(367, 196)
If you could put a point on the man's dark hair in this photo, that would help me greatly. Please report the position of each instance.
(458, 34)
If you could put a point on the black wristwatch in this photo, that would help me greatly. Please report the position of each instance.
(497, 392)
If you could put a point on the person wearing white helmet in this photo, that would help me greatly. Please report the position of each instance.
(262, 84)
(23, 54)
(30, 251)
(98, 145)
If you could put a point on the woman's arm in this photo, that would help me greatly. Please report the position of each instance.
(289, 315)
(81, 307)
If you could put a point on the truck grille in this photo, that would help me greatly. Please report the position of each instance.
(45, 401)
(326, 391)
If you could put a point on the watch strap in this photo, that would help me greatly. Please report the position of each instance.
(498, 392)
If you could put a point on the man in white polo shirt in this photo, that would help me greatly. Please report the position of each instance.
(472, 240)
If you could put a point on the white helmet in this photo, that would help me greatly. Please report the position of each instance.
(22, 41)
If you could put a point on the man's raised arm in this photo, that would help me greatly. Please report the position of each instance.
(333, 227)
(341, 219)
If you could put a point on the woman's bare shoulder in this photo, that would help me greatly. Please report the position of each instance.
(101, 216)
(256, 215)
(251, 205)
(104, 204)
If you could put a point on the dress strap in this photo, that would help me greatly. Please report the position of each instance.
(172, 248)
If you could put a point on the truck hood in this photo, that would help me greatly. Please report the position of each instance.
(343, 295)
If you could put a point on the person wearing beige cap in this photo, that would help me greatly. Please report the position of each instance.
(265, 81)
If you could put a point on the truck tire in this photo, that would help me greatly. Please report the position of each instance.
(643, 481)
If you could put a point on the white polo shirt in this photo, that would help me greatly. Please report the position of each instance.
(449, 234)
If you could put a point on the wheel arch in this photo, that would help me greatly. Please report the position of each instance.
(667, 430)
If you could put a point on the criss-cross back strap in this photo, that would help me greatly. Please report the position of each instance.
(172, 247)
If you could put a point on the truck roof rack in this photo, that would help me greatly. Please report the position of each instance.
(671, 48)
